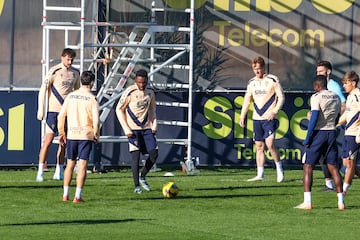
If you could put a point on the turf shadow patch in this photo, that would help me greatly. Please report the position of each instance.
(80, 222)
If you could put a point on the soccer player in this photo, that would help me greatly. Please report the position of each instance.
(325, 68)
(136, 112)
(59, 82)
(351, 119)
(321, 140)
(81, 111)
(266, 92)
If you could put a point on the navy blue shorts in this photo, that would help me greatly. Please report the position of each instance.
(322, 143)
(78, 149)
(263, 129)
(349, 148)
(143, 140)
(51, 121)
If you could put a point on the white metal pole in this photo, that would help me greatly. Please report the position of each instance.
(82, 26)
(191, 63)
(44, 61)
(152, 50)
(66, 37)
(94, 33)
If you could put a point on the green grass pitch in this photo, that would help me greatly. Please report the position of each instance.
(218, 203)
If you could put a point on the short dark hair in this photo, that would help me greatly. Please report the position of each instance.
(321, 81)
(325, 64)
(87, 77)
(68, 52)
(142, 73)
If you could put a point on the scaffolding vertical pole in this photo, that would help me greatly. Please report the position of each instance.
(12, 45)
(152, 50)
(43, 23)
(44, 63)
(82, 37)
(191, 63)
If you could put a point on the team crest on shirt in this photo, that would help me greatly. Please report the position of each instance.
(122, 100)
(142, 104)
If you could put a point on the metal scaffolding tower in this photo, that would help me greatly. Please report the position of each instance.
(131, 48)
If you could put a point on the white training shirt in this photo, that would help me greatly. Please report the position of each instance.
(351, 114)
(267, 95)
(328, 105)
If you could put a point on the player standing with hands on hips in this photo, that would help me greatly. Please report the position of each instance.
(136, 112)
(60, 81)
(266, 92)
(81, 111)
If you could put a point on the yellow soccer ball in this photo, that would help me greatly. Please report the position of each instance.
(170, 190)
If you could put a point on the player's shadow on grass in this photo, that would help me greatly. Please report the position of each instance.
(41, 186)
(179, 198)
(229, 196)
(80, 222)
(30, 187)
(107, 176)
(348, 207)
(245, 187)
